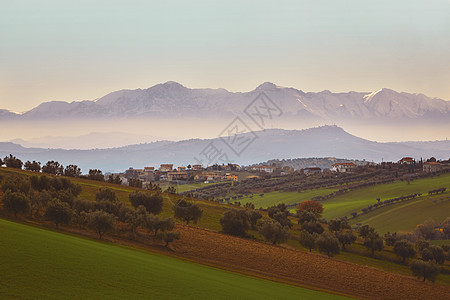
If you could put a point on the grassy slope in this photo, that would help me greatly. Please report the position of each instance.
(356, 200)
(274, 198)
(405, 216)
(185, 187)
(45, 264)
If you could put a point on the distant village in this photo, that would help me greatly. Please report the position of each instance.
(233, 172)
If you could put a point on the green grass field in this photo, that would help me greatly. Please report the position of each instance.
(274, 198)
(354, 201)
(185, 187)
(37, 263)
(405, 216)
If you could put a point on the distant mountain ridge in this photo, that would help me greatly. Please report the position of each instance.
(172, 99)
(325, 141)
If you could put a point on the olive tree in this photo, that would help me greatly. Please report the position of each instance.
(168, 237)
(153, 203)
(102, 222)
(273, 231)
(328, 243)
(404, 249)
(16, 202)
(187, 211)
(307, 239)
(426, 269)
(58, 212)
(235, 222)
(345, 237)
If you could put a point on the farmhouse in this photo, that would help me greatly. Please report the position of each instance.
(266, 169)
(236, 167)
(175, 176)
(431, 167)
(312, 170)
(231, 177)
(208, 176)
(166, 167)
(343, 167)
(406, 161)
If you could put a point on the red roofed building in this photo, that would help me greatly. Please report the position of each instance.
(406, 161)
(166, 167)
(431, 167)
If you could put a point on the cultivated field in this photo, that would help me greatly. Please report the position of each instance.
(405, 216)
(355, 200)
(283, 263)
(275, 198)
(38, 263)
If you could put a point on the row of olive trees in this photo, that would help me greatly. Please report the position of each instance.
(57, 198)
(339, 235)
(55, 168)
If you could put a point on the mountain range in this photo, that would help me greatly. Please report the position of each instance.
(172, 99)
(325, 141)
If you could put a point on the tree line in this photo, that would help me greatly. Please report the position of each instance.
(312, 235)
(56, 199)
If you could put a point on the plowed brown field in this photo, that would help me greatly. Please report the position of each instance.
(301, 268)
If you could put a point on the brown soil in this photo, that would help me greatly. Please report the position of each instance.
(301, 268)
(275, 263)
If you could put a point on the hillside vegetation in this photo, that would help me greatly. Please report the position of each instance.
(222, 250)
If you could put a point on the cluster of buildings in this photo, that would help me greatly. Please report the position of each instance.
(430, 166)
(217, 173)
(167, 172)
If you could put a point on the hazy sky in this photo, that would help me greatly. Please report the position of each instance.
(76, 50)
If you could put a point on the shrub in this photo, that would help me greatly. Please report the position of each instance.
(187, 211)
(254, 216)
(16, 202)
(404, 249)
(338, 224)
(58, 212)
(306, 216)
(168, 237)
(328, 243)
(105, 194)
(273, 231)
(314, 207)
(313, 227)
(152, 203)
(235, 222)
(307, 239)
(346, 238)
(428, 270)
(102, 222)
(373, 242)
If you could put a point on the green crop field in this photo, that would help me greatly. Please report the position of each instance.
(274, 198)
(406, 215)
(38, 263)
(185, 187)
(355, 200)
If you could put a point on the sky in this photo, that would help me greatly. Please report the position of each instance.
(82, 50)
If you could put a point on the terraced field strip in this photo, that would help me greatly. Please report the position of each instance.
(355, 200)
(274, 198)
(404, 216)
(42, 264)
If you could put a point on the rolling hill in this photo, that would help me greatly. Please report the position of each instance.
(46, 264)
(326, 141)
